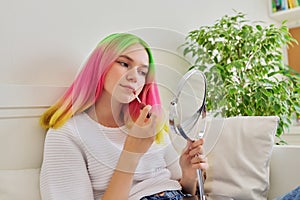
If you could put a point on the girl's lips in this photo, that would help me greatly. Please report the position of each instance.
(127, 87)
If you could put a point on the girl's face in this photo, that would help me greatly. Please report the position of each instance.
(127, 74)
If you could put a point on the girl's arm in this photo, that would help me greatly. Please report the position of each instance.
(63, 173)
(192, 159)
(121, 180)
(138, 141)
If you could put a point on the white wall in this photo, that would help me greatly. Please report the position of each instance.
(45, 42)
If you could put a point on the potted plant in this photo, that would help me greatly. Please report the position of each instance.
(244, 65)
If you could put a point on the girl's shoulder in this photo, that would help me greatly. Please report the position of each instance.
(70, 127)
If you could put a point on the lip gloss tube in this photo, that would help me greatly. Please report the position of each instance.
(142, 105)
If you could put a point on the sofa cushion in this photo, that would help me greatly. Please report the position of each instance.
(240, 160)
(21, 139)
(19, 184)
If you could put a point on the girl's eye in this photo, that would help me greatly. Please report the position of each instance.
(123, 64)
(143, 73)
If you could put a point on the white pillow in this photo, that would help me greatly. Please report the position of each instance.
(239, 162)
(20, 184)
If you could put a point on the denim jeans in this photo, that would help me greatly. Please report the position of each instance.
(292, 195)
(167, 195)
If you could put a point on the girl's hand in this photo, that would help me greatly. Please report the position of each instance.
(192, 158)
(142, 133)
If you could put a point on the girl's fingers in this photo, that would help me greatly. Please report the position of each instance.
(187, 148)
(202, 166)
(198, 150)
(144, 127)
(198, 159)
(196, 147)
(199, 163)
(143, 115)
(198, 142)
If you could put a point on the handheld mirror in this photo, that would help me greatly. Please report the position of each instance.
(187, 114)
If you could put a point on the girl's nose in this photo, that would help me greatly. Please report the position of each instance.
(132, 74)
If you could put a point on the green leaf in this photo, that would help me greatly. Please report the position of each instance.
(258, 27)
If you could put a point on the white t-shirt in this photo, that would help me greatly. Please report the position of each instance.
(80, 157)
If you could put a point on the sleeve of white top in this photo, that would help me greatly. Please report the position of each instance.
(172, 160)
(64, 173)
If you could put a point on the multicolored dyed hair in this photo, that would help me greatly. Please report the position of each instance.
(88, 85)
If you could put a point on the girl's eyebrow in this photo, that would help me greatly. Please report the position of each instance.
(131, 60)
(127, 57)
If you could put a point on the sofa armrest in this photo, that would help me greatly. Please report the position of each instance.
(284, 170)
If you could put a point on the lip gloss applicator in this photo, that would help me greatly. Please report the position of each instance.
(136, 96)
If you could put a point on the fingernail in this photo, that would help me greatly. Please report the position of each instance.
(142, 106)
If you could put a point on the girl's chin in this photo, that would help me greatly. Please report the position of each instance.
(123, 97)
(124, 100)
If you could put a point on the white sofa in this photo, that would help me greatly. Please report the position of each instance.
(21, 145)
